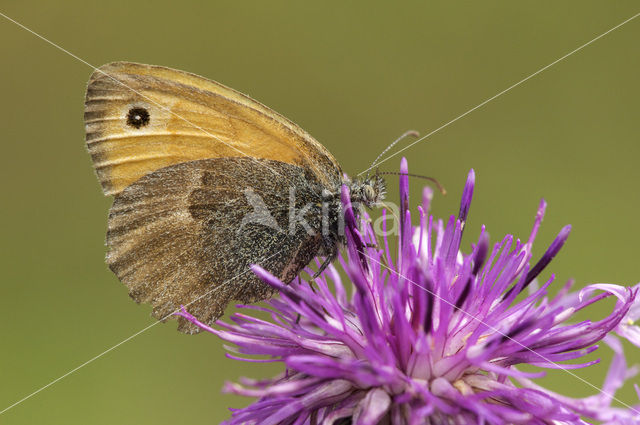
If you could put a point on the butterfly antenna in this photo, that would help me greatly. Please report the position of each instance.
(431, 179)
(412, 133)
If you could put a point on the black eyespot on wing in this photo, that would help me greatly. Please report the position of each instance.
(138, 117)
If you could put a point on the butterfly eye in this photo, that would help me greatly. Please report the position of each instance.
(369, 193)
(138, 117)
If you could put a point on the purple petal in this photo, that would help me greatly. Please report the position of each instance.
(372, 408)
(553, 249)
(467, 195)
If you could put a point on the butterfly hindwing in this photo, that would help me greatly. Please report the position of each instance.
(187, 234)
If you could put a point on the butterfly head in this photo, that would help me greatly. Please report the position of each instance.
(369, 191)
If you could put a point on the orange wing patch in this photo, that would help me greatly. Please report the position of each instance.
(140, 118)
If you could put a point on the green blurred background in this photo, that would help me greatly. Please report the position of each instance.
(355, 75)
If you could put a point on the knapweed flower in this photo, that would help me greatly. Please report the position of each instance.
(430, 335)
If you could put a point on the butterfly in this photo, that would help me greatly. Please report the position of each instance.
(206, 182)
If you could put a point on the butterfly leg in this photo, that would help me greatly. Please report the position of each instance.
(324, 265)
(331, 251)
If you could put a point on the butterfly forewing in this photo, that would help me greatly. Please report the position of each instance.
(140, 118)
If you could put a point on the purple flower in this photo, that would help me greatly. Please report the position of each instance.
(431, 335)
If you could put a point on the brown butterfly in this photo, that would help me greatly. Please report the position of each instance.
(205, 180)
